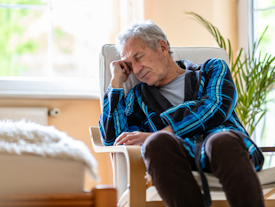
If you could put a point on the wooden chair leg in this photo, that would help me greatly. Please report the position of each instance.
(270, 203)
(220, 203)
(270, 193)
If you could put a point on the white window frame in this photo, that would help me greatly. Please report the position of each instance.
(246, 40)
(245, 24)
(54, 88)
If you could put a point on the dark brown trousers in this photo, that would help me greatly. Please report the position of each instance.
(170, 166)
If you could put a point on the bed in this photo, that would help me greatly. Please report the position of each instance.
(41, 166)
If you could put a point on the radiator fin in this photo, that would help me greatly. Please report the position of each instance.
(37, 115)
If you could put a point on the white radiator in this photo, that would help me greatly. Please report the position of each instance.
(37, 115)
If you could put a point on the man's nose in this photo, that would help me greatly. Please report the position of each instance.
(136, 67)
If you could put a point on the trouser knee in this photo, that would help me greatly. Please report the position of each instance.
(230, 163)
(225, 148)
(169, 164)
(156, 145)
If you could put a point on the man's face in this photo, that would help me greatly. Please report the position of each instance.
(148, 66)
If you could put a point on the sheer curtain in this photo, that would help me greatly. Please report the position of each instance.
(123, 13)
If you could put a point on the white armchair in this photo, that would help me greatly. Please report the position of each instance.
(128, 166)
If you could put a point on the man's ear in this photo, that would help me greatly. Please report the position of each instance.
(164, 47)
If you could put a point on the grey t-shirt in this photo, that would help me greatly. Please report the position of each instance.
(174, 91)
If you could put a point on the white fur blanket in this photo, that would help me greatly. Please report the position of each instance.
(27, 138)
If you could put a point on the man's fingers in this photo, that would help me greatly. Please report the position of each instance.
(125, 67)
(120, 137)
(123, 138)
(132, 138)
(133, 142)
(120, 67)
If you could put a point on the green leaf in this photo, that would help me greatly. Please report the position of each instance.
(254, 76)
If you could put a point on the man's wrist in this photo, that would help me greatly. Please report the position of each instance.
(168, 129)
(116, 84)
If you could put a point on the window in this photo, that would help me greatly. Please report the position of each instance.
(52, 46)
(253, 17)
(263, 15)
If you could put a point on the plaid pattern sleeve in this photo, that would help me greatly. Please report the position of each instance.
(217, 96)
(114, 117)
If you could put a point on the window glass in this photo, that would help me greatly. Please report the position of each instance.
(52, 38)
(265, 130)
(23, 42)
(77, 38)
(28, 2)
(50, 48)
(263, 14)
(263, 4)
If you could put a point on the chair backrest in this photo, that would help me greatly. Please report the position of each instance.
(108, 54)
(196, 55)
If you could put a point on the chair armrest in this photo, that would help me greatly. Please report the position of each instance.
(267, 149)
(99, 147)
(135, 167)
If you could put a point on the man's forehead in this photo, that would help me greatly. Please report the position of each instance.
(132, 47)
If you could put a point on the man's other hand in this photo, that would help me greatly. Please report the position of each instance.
(120, 72)
(132, 138)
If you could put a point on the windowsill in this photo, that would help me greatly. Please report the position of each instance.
(49, 95)
(45, 88)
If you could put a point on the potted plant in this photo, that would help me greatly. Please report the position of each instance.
(253, 74)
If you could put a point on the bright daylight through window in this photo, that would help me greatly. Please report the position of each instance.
(51, 46)
(263, 15)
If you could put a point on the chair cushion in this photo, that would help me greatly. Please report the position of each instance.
(266, 177)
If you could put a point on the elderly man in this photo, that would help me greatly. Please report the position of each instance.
(183, 116)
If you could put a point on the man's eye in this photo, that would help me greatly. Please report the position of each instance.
(138, 58)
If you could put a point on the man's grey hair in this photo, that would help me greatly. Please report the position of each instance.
(147, 30)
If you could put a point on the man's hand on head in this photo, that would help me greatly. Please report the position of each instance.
(120, 72)
(132, 138)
